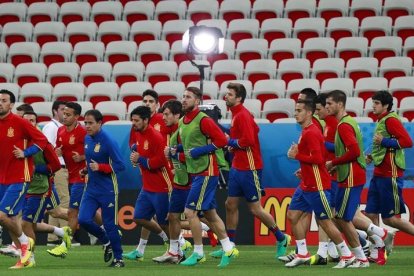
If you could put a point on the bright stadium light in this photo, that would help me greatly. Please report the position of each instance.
(203, 40)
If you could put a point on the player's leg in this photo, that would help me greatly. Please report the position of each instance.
(76, 192)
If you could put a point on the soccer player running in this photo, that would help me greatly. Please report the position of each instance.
(156, 176)
(172, 111)
(149, 99)
(201, 137)
(70, 145)
(246, 170)
(350, 168)
(313, 193)
(104, 162)
(16, 170)
(385, 190)
(39, 194)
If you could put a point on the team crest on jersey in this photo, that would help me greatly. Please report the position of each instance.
(97, 148)
(72, 140)
(146, 145)
(157, 127)
(10, 132)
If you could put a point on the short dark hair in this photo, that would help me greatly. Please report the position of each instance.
(75, 106)
(174, 106)
(321, 99)
(196, 91)
(56, 105)
(239, 89)
(24, 107)
(30, 113)
(309, 93)
(384, 97)
(11, 95)
(151, 93)
(337, 96)
(308, 104)
(144, 112)
(96, 114)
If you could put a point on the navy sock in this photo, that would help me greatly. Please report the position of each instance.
(231, 233)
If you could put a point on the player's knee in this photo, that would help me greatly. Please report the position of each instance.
(389, 221)
(190, 214)
(230, 206)
(291, 216)
(84, 221)
(3, 218)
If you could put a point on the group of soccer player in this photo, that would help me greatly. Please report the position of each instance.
(179, 152)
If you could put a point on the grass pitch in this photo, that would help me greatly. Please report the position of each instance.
(253, 260)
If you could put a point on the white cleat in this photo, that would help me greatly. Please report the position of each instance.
(168, 258)
(10, 251)
(389, 241)
(359, 264)
(345, 262)
(287, 258)
(298, 260)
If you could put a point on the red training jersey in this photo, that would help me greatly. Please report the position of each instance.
(245, 130)
(329, 135)
(150, 145)
(157, 122)
(311, 155)
(15, 131)
(71, 142)
(388, 167)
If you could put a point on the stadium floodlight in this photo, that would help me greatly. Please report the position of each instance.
(203, 40)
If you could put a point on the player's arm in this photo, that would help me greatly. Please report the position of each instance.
(53, 164)
(348, 137)
(210, 129)
(36, 137)
(157, 159)
(400, 137)
(117, 164)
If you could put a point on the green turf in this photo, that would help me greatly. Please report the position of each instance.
(253, 260)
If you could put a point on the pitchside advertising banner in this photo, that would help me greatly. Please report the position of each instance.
(278, 179)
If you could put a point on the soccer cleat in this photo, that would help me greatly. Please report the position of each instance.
(117, 263)
(186, 247)
(10, 250)
(92, 239)
(31, 262)
(54, 243)
(67, 236)
(26, 249)
(58, 251)
(194, 259)
(389, 241)
(134, 255)
(287, 258)
(345, 261)
(168, 258)
(359, 264)
(318, 260)
(298, 260)
(107, 253)
(228, 256)
(282, 246)
(212, 237)
(382, 257)
(20, 265)
(217, 254)
(367, 247)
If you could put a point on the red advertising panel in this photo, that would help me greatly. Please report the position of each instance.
(277, 203)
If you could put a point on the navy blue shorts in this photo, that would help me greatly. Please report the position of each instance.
(178, 199)
(385, 196)
(76, 192)
(149, 204)
(34, 209)
(52, 201)
(12, 198)
(347, 202)
(202, 196)
(334, 190)
(245, 184)
(307, 202)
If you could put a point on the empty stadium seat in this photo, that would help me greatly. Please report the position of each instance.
(174, 29)
(30, 72)
(80, 31)
(404, 27)
(138, 11)
(21, 52)
(278, 108)
(375, 26)
(179, 54)
(354, 106)
(48, 32)
(306, 28)
(187, 72)
(153, 50)
(53, 52)
(43, 111)
(157, 71)
(202, 10)
(385, 46)
(362, 9)
(6, 72)
(340, 27)
(69, 91)
(168, 90)
(250, 49)
(88, 51)
(101, 91)
(234, 9)
(74, 11)
(16, 32)
(92, 72)
(397, 8)
(35, 92)
(109, 31)
(223, 70)
(408, 49)
(344, 84)
(128, 71)
(284, 48)
(62, 72)
(119, 51)
(290, 69)
(42, 12)
(295, 86)
(365, 88)
(363, 67)
(106, 11)
(228, 52)
(402, 87)
(268, 89)
(407, 108)
(112, 110)
(327, 68)
(243, 29)
(145, 30)
(351, 47)
(170, 10)
(265, 9)
(132, 91)
(297, 9)
(392, 67)
(317, 48)
(260, 69)
(328, 9)
(276, 28)
(12, 12)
